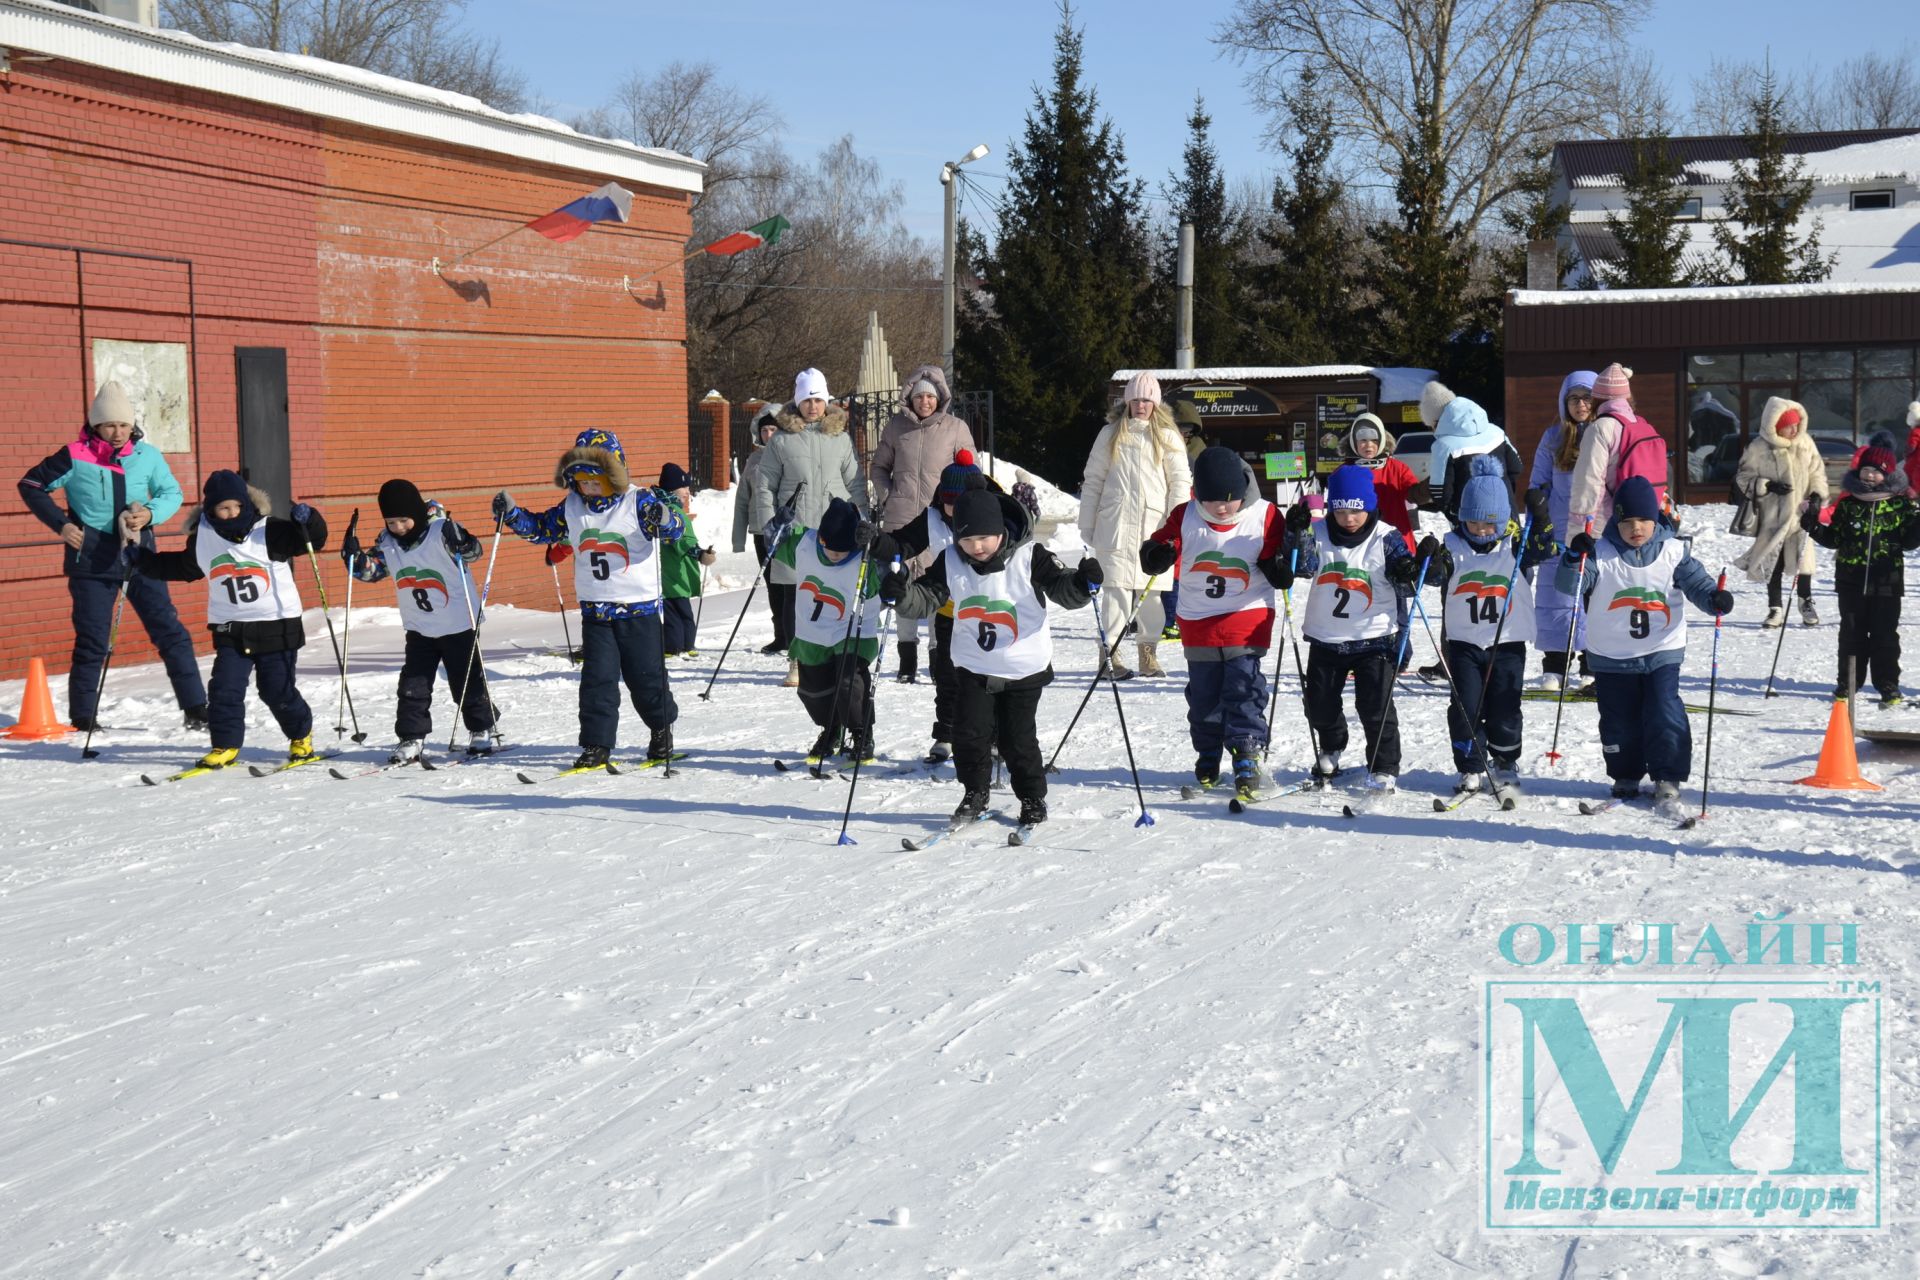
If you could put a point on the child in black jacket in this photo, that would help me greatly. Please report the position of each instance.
(1875, 524)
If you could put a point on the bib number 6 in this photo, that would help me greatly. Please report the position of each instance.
(987, 637)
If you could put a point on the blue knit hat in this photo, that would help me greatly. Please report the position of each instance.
(1484, 498)
(1351, 489)
(953, 477)
(1636, 500)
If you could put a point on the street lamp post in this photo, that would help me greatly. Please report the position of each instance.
(947, 172)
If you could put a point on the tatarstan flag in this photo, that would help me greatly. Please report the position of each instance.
(1218, 564)
(826, 595)
(1480, 584)
(753, 237)
(995, 613)
(1650, 599)
(1345, 577)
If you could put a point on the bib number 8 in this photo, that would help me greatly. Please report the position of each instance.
(987, 637)
(421, 600)
(1639, 624)
(241, 590)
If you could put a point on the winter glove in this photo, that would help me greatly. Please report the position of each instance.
(1779, 486)
(776, 530)
(1299, 517)
(302, 514)
(1722, 602)
(1089, 575)
(864, 533)
(652, 513)
(1537, 511)
(1581, 544)
(1157, 557)
(459, 541)
(1277, 571)
(558, 552)
(350, 550)
(1403, 572)
(1434, 553)
(893, 584)
(708, 556)
(503, 505)
(1810, 518)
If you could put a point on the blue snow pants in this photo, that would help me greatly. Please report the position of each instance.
(1226, 698)
(1643, 725)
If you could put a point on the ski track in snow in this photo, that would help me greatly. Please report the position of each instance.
(450, 1026)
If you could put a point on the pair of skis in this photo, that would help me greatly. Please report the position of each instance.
(1020, 835)
(257, 770)
(615, 767)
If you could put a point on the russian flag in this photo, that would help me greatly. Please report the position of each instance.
(610, 203)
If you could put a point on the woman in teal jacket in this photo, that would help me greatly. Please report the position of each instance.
(118, 488)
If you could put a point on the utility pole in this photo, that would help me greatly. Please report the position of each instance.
(1183, 316)
(947, 179)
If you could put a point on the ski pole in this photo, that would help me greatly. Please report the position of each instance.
(346, 635)
(474, 619)
(1300, 673)
(1479, 725)
(1573, 624)
(1098, 674)
(1279, 656)
(1713, 688)
(855, 617)
(1145, 819)
(766, 568)
(553, 562)
(113, 639)
(320, 583)
(476, 615)
(1380, 735)
(860, 613)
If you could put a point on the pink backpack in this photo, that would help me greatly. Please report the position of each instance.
(1642, 452)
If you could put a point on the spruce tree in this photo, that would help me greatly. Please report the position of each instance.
(1652, 239)
(1222, 328)
(1062, 286)
(1765, 198)
(1303, 293)
(1532, 214)
(1421, 271)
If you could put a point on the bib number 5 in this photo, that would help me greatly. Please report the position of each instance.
(599, 565)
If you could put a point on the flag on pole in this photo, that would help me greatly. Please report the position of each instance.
(610, 203)
(753, 237)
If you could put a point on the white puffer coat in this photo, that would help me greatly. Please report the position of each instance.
(1136, 473)
(1796, 462)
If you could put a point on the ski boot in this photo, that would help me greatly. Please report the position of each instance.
(1033, 812)
(1665, 791)
(1206, 770)
(1249, 780)
(823, 748)
(1469, 783)
(660, 743)
(862, 748)
(1384, 783)
(407, 751)
(593, 758)
(1891, 697)
(218, 758)
(972, 805)
(300, 750)
(939, 753)
(1624, 791)
(485, 742)
(194, 718)
(1326, 768)
(909, 672)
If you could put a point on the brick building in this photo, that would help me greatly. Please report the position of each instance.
(253, 237)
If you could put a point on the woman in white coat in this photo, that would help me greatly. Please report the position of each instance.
(1136, 473)
(1779, 472)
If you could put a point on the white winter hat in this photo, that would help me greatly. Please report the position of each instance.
(1433, 398)
(1913, 414)
(810, 384)
(922, 388)
(110, 405)
(1142, 386)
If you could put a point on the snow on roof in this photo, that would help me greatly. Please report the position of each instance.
(1396, 385)
(1897, 159)
(1600, 162)
(1727, 293)
(330, 89)
(1869, 246)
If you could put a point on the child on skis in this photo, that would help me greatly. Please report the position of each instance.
(1226, 541)
(1639, 579)
(681, 561)
(253, 609)
(835, 649)
(615, 529)
(1486, 583)
(1001, 583)
(1875, 523)
(921, 541)
(427, 555)
(1357, 563)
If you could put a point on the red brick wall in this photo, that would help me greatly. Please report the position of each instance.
(316, 237)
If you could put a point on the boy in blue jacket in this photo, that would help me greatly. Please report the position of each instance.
(118, 487)
(1640, 577)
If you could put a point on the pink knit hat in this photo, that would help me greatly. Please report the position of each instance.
(1614, 383)
(1142, 386)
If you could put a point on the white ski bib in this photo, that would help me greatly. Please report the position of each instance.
(1636, 611)
(1350, 598)
(823, 592)
(613, 561)
(1218, 573)
(432, 584)
(999, 621)
(1483, 587)
(243, 583)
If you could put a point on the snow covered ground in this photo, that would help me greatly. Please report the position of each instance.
(449, 1025)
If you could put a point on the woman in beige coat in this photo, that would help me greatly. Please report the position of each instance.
(1780, 470)
(1136, 473)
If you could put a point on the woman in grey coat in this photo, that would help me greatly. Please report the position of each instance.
(808, 464)
(921, 440)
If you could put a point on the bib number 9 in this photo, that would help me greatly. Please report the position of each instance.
(1639, 624)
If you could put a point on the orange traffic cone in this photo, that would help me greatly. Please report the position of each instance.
(1839, 768)
(36, 708)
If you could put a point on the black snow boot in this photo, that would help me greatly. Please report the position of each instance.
(660, 743)
(195, 718)
(1033, 812)
(972, 805)
(823, 746)
(593, 758)
(909, 672)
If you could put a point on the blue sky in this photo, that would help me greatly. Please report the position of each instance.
(918, 83)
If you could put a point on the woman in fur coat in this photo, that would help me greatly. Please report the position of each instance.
(1780, 470)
